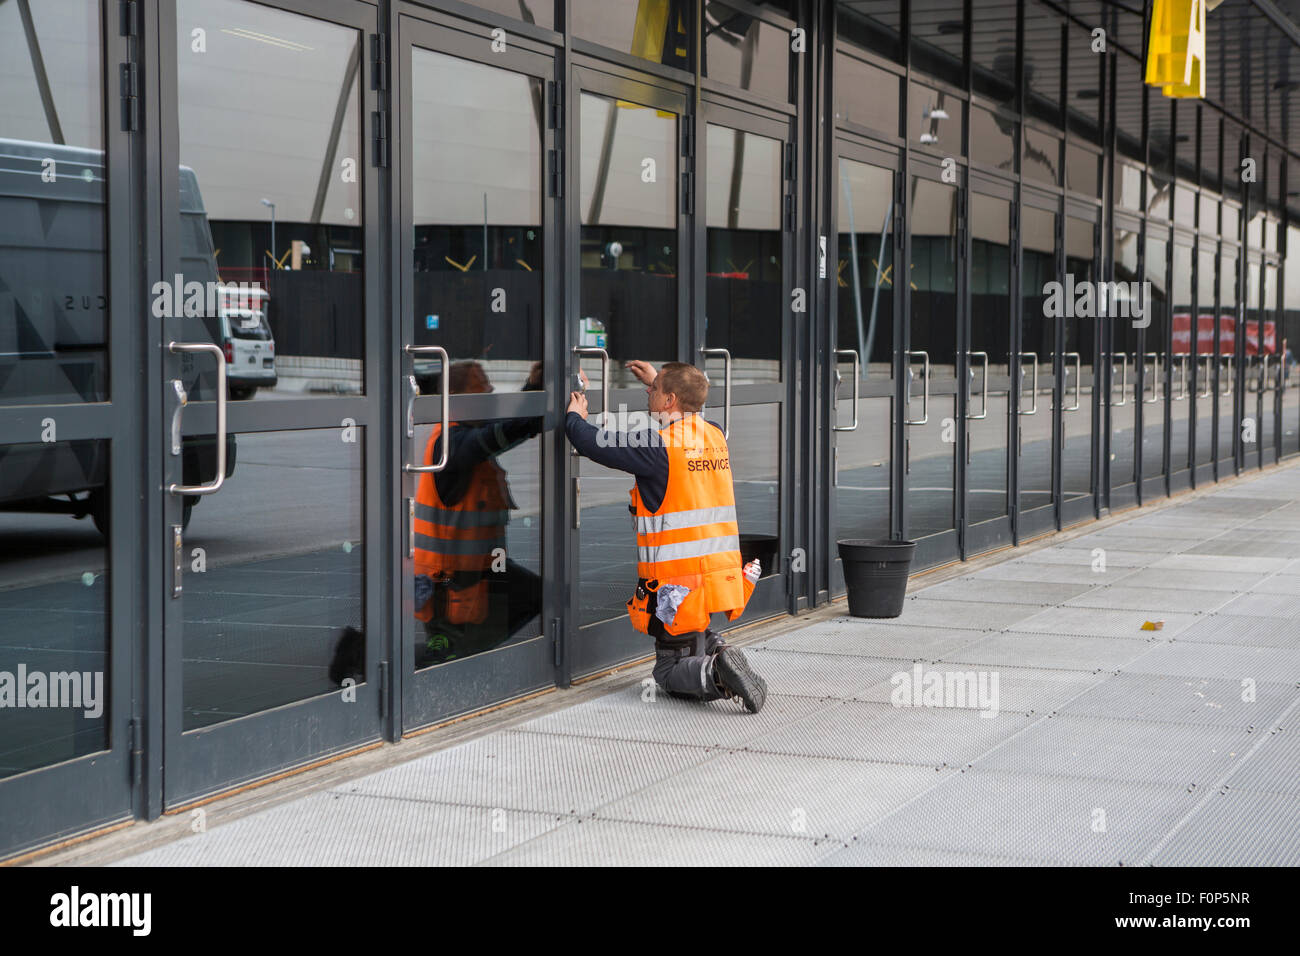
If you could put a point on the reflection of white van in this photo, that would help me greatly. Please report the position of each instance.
(247, 341)
(54, 323)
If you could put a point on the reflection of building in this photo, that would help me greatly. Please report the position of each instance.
(811, 200)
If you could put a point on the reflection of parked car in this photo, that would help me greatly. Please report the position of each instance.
(54, 323)
(247, 342)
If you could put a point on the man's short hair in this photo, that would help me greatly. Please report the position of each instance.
(687, 382)
(462, 375)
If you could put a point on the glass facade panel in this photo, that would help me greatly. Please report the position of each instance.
(1038, 347)
(937, 31)
(874, 25)
(1042, 160)
(658, 32)
(1156, 358)
(988, 396)
(746, 52)
(993, 51)
(477, 214)
(281, 577)
(865, 95)
(1126, 355)
(1043, 62)
(935, 119)
(744, 294)
(1082, 170)
(285, 217)
(1079, 347)
(54, 587)
(628, 201)
(993, 140)
(54, 315)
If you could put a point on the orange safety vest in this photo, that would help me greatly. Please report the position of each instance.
(692, 539)
(460, 537)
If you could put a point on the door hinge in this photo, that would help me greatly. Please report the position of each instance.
(788, 170)
(554, 105)
(128, 18)
(688, 193)
(130, 84)
(555, 174)
(686, 135)
(383, 686)
(135, 757)
(788, 217)
(379, 61)
(379, 138)
(556, 644)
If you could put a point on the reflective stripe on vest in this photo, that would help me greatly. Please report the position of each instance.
(657, 554)
(676, 520)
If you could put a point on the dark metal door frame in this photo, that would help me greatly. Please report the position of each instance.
(457, 687)
(851, 147)
(220, 756)
(774, 593)
(96, 789)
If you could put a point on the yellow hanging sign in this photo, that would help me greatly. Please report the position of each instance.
(1176, 51)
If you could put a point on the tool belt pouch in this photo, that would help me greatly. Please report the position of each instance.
(641, 609)
(467, 602)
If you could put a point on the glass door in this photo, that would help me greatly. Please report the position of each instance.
(1080, 344)
(1155, 377)
(1123, 362)
(1036, 376)
(863, 420)
(1181, 358)
(479, 293)
(990, 364)
(1229, 404)
(741, 298)
(929, 363)
(69, 389)
(1204, 345)
(629, 251)
(270, 393)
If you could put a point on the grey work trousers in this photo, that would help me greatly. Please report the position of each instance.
(682, 664)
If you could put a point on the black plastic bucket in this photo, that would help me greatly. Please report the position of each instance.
(875, 574)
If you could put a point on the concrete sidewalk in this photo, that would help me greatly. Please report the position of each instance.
(1104, 743)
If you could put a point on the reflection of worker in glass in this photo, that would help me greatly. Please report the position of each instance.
(469, 595)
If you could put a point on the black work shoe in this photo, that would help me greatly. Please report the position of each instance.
(734, 673)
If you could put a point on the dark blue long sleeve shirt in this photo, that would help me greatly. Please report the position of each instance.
(641, 453)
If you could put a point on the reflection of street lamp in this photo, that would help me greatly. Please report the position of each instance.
(267, 202)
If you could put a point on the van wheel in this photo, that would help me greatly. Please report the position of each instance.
(242, 393)
(98, 506)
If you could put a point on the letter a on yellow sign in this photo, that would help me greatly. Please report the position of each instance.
(1176, 53)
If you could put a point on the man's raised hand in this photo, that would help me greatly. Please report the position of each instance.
(644, 371)
(578, 403)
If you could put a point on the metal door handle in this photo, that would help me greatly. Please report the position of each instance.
(1155, 368)
(178, 388)
(1078, 382)
(413, 388)
(445, 379)
(1181, 358)
(215, 485)
(1123, 380)
(984, 391)
(726, 385)
(1033, 387)
(1209, 389)
(1263, 372)
(925, 393)
(593, 351)
(1227, 359)
(857, 369)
